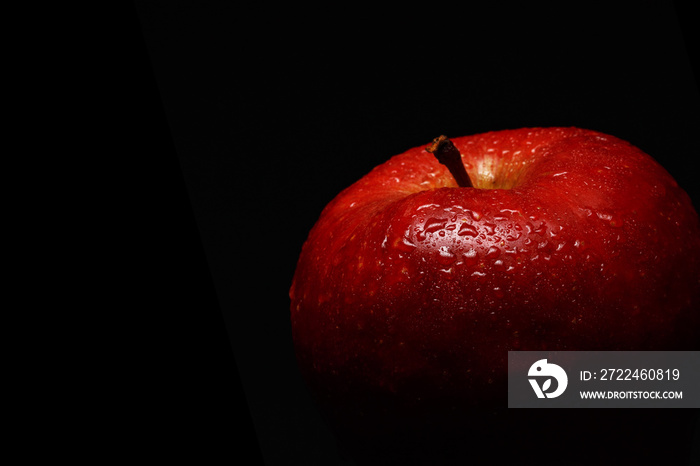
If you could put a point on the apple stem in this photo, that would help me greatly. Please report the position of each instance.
(447, 154)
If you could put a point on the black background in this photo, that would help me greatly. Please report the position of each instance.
(260, 116)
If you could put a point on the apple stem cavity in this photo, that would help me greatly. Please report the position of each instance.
(447, 154)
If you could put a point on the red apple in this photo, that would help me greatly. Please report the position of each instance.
(411, 289)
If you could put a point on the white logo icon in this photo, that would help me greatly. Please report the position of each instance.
(541, 369)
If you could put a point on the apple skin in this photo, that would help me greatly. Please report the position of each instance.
(410, 291)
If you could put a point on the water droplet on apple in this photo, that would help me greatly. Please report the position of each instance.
(431, 226)
(513, 236)
(470, 257)
(604, 216)
(446, 257)
(493, 252)
(468, 229)
(541, 229)
(611, 219)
